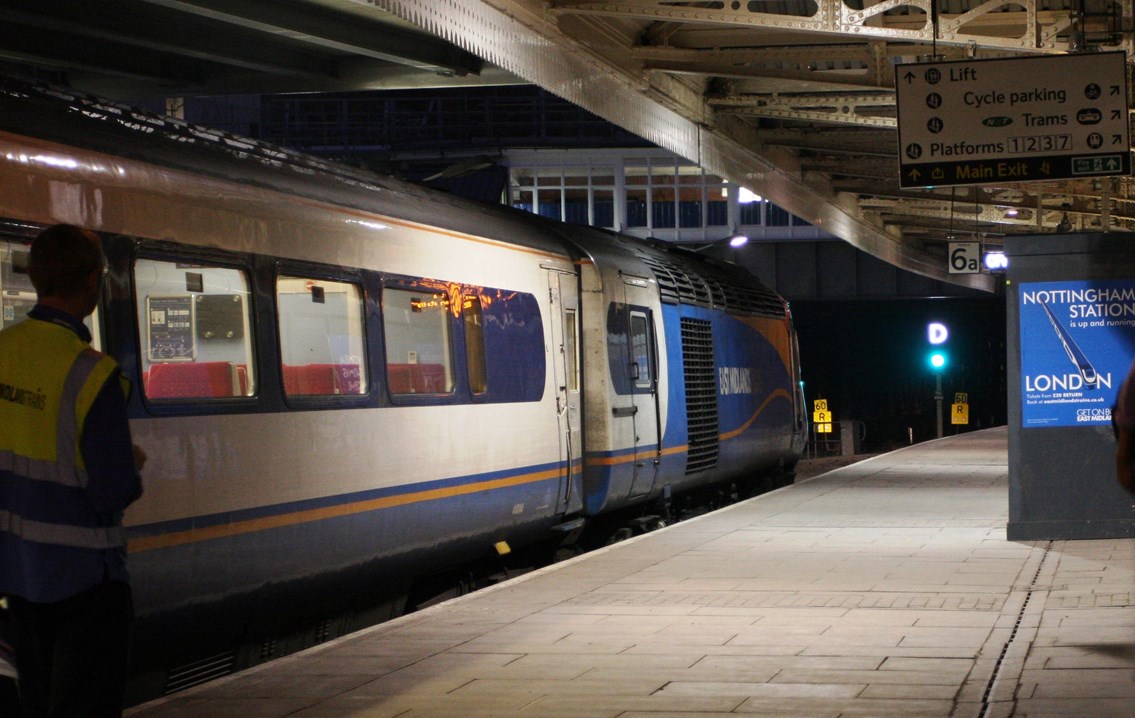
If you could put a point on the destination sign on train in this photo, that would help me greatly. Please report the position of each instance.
(1019, 119)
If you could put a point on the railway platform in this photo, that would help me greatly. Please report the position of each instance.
(884, 588)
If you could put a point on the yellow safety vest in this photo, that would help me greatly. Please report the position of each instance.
(49, 379)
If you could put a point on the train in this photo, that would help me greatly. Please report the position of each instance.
(351, 389)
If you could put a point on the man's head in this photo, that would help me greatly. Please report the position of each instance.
(66, 265)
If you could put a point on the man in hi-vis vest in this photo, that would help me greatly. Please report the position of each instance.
(68, 469)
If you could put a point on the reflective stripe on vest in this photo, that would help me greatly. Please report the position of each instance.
(67, 431)
(62, 534)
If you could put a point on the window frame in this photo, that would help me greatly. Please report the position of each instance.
(452, 325)
(189, 254)
(328, 273)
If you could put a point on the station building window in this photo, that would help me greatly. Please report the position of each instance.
(645, 193)
(196, 332)
(573, 194)
(322, 340)
(751, 213)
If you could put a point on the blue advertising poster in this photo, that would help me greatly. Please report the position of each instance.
(1077, 342)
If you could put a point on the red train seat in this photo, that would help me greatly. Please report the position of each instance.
(310, 379)
(193, 380)
(416, 378)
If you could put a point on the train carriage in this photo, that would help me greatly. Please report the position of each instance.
(350, 386)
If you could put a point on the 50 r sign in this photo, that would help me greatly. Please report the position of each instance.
(965, 257)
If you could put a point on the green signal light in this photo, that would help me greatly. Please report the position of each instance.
(938, 360)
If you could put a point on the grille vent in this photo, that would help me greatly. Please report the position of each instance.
(692, 280)
(268, 649)
(701, 394)
(198, 672)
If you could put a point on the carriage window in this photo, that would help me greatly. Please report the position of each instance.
(642, 364)
(417, 329)
(195, 330)
(571, 351)
(510, 334)
(473, 318)
(17, 295)
(322, 337)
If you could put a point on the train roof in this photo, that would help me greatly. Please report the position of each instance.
(96, 124)
(93, 123)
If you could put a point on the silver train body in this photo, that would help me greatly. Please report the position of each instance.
(345, 383)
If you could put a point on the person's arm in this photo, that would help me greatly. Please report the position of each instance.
(108, 452)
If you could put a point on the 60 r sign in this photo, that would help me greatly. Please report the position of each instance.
(965, 257)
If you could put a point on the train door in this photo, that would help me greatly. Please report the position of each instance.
(643, 376)
(564, 292)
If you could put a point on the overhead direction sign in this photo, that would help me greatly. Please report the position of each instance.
(1018, 119)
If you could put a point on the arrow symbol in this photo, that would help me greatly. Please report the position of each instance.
(1115, 114)
(909, 77)
(1116, 139)
(915, 174)
(1114, 90)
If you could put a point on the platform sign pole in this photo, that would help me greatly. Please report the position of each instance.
(821, 419)
(938, 400)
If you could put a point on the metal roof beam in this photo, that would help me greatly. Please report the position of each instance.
(988, 25)
(835, 109)
(328, 28)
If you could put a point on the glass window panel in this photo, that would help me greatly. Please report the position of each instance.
(751, 213)
(635, 174)
(196, 331)
(418, 341)
(602, 176)
(17, 295)
(522, 177)
(690, 206)
(689, 175)
(550, 200)
(522, 199)
(603, 208)
(662, 210)
(636, 208)
(322, 336)
(571, 351)
(549, 176)
(777, 216)
(473, 320)
(515, 362)
(575, 177)
(575, 206)
(689, 214)
(663, 176)
(716, 212)
(640, 350)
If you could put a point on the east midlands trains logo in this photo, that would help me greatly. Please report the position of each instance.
(1093, 415)
(735, 380)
